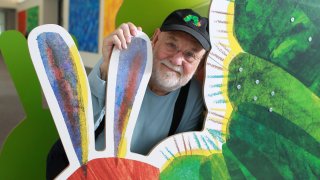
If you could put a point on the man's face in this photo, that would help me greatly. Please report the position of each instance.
(176, 56)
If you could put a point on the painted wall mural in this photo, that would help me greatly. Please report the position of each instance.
(84, 23)
(28, 19)
(22, 22)
(111, 8)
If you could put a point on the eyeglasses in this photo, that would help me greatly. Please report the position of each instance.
(172, 48)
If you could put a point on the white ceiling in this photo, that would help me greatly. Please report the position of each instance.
(8, 3)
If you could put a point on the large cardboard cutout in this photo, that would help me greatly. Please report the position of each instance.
(26, 149)
(62, 76)
(263, 79)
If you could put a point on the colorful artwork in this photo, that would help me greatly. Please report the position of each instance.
(32, 18)
(62, 77)
(68, 87)
(22, 22)
(84, 23)
(63, 80)
(111, 8)
(262, 88)
(28, 19)
(131, 67)
(116, 168)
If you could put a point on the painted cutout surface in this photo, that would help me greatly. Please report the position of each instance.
(26, 148)
(262, 97)
(128, 68)
(63, 80)
(62, 77)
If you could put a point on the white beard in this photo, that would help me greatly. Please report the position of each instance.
(169, 80)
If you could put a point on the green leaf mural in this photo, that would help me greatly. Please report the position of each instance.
(284, 32)
(271, 146)
(267, 85)
(32, 18)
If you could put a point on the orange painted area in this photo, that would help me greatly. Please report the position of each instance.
(111, 8)
(116, 168)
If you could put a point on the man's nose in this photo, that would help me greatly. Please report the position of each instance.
(177, 58)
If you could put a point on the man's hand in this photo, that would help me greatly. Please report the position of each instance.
(120, 38)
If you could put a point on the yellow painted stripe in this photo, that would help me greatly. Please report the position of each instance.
(82, 89)
(122, 149)
(235, 49)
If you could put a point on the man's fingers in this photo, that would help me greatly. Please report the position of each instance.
(126, 32)
(116, 41)
(120, 38)
(133, 29)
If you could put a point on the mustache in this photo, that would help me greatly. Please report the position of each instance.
(167, 63)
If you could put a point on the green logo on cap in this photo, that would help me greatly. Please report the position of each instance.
(193, 18)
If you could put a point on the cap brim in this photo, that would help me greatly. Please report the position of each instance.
(176, 27)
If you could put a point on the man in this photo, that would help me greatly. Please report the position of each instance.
(179, 47)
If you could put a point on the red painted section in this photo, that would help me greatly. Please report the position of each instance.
(65, 91)
(116, 168)
(22, 22)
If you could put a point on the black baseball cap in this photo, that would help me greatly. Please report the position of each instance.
(190, 22)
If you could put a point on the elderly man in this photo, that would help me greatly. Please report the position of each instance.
(179, 46)
(173, 100)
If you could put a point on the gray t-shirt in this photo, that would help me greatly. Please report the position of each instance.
(155, 116)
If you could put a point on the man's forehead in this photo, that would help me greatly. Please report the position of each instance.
(175, 35)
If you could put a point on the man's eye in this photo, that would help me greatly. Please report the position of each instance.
(189, 55)
(171, 45)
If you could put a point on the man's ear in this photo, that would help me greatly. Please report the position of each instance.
(199, 74)
(155, 36)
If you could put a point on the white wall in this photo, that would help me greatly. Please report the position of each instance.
(2, 23)
(50, 12)
(8, 4)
